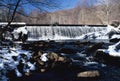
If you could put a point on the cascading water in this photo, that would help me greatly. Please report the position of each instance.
(60, 32)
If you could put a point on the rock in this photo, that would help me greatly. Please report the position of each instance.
(42, 70)
(61, 59)
(115, 40)
(103, 57)
(89, 74)
(53, 56)
(67, 50)
(37, 55)
(24, 37)
(28, 73)
(100, 55)
(56, 61)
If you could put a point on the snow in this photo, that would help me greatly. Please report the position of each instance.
(44, 57)
(10, 58)
(111, 28)
(90, 63)
(19, 30)
(102, 34)
(113, 51)
(94, 35)
(115, 36)
(32, 66)
(18, 73)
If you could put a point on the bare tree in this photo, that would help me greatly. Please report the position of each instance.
(106, 10)
(14, 5)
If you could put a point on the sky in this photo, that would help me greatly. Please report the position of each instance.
(67, 4)
(64, 4)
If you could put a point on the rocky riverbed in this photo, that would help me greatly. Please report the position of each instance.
(57, 61)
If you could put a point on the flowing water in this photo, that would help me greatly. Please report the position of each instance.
(60, 32)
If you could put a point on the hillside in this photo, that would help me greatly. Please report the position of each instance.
(79, 15)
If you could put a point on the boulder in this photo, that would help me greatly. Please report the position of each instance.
(115, 40)
(89, 74)
(100, 55)
(37, 55)
(53, 56)
(61, 59)
(56, 61)
(104, 57)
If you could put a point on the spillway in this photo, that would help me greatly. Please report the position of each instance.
(60, 32)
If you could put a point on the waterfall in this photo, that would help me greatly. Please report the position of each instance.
(60, 32)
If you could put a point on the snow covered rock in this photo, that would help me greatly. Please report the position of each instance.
(115, 38)
(44, 57)
(114, 50)
(111, 30)
(20, 33)
(110, 55)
